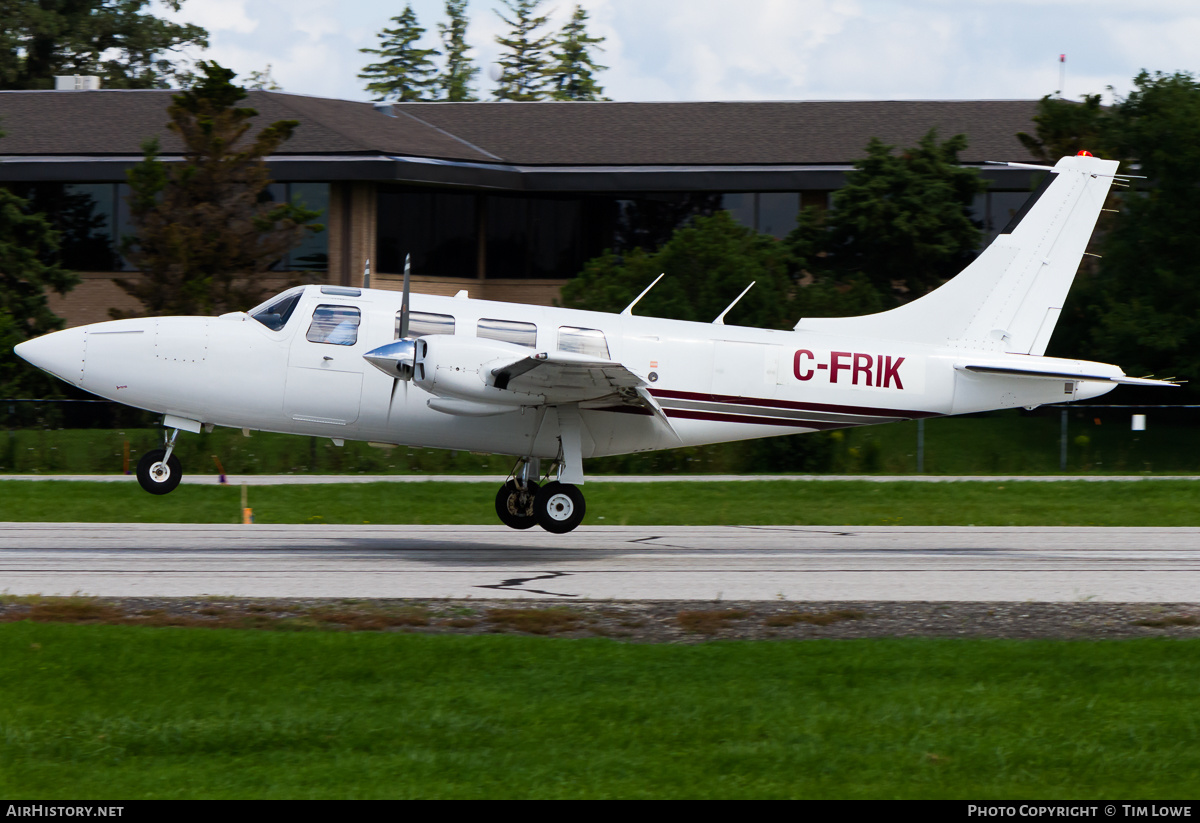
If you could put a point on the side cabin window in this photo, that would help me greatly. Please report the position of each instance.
(336, 325)
(508, 331)
(582, 341)
(422, 323)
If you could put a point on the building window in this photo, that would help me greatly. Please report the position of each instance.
(437, 229)
(768, 212)
(313, 252)
(94, 222)
(89, 217)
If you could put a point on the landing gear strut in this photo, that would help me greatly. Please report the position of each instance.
(159, 471)
(557, 506)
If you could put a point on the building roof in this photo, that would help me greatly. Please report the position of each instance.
(724, 133)
(80, 135)
(116, 121)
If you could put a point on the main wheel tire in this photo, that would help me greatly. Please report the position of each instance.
(515, 507)
(158, 477)
(559, 507)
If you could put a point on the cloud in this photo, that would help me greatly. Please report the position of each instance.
(757, 50)
(216, 15)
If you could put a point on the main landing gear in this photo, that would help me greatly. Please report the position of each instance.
(159, 471)
(522, 503)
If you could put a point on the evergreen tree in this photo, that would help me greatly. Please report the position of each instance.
(1065, 128)
(114, 39)
(204, 229)
(406, 73)
(573, 77)
(458, 74)
(903, 221)
(707, 264)
(262, 80)
(1145, 305)
(27, 271)
(525, 65)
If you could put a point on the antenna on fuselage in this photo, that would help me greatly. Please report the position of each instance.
(720, 321)
(628, 312)
(367, 274)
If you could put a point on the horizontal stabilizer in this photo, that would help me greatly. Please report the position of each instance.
(1042, 374)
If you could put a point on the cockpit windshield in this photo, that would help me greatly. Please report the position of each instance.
(274, 313)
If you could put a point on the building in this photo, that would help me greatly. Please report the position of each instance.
(507, 200)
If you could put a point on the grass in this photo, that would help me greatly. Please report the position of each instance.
(123, 712)
(1021, 503)
(1008, 442)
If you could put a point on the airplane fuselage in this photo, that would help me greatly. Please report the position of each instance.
(715, 383)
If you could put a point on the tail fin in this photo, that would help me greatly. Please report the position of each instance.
(1009, 298)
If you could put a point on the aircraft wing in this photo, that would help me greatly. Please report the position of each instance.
(579, 375)
(569, 377)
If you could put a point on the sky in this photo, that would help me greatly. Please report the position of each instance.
(686, 50)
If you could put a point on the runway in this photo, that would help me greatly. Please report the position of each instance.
(794, 563)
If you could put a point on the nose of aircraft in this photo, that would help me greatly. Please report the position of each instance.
(60, 353)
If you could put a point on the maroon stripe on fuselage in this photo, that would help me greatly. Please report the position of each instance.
(821, 425)
(787, 404)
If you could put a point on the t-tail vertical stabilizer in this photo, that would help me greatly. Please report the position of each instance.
(1009, 298)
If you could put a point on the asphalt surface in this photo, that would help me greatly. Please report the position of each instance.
(853, 563)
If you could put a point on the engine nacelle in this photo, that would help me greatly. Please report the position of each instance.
(461, 367)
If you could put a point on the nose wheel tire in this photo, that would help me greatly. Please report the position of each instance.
(515, 507)
(156, 476)
(559, 507)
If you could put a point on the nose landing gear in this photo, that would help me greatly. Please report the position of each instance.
(159, 472)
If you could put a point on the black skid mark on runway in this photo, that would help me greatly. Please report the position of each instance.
(513, 583)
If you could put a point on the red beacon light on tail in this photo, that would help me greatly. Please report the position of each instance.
(1084, 153)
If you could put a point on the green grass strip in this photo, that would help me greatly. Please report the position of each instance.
(118, 712)
(1003, 503)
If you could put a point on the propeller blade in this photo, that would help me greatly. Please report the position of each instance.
(392, 396)
(404, 298)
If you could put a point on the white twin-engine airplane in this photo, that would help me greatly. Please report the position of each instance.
(553, 386)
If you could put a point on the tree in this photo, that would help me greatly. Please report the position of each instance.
(903, 221)
(1066, 128)
(262, 80)
(707, 264)
(458, 74)
(114, 39)
(406, 73)
(1145, 305)
(525, 64)
(203, 227)
(27, 270)
(573, 78)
